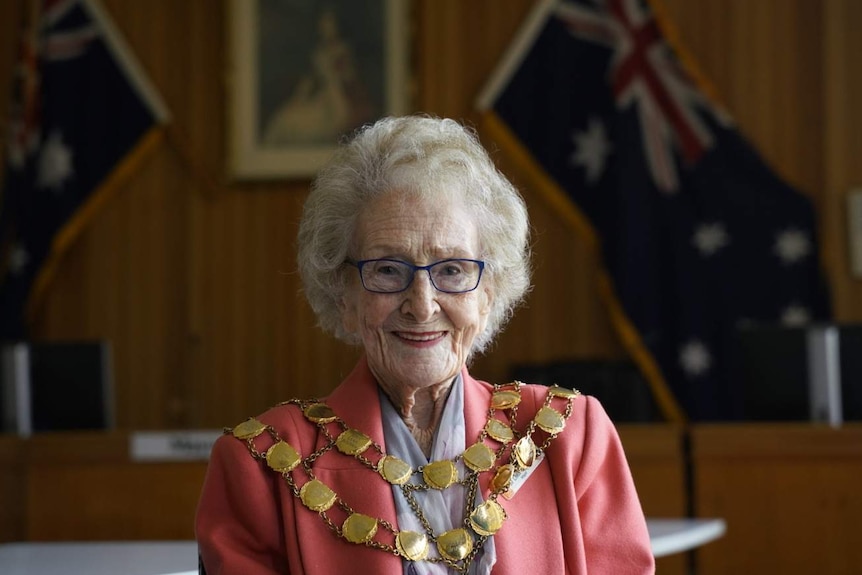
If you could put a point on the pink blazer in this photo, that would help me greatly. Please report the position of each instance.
(577, 513)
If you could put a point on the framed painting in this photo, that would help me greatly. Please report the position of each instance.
(302, 73)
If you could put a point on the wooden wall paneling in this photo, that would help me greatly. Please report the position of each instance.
(488, 31)
(200, 135)
(168, 55)
(789, 494)
(260, 343)
(12, 489)
(458, 44)
(157, 255)
(442, 59)
(842, 146)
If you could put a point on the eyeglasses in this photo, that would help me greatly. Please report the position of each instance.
(393, 276)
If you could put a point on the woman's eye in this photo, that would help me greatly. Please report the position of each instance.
(387, 270)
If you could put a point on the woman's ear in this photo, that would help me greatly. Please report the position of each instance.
(349, 319)
(487, 300)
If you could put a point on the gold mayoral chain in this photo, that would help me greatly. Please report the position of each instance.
(457, 547)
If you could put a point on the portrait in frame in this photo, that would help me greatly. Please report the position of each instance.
(303, 73)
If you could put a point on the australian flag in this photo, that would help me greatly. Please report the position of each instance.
(83, 114)
(698, 237)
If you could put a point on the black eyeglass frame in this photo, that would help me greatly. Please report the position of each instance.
(361, 263)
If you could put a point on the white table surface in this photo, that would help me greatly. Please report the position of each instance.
(98, 558)
(667, 536)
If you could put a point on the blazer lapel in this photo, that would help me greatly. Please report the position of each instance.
(356, 401)
(477, 399)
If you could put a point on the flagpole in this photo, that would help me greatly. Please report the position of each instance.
(514, 54)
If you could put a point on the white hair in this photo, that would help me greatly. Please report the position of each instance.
(420, 155)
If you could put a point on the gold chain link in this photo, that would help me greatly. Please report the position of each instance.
(470, 480)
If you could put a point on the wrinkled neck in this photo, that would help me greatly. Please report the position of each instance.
(420, 409)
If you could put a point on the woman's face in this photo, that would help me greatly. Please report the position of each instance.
(421, 336)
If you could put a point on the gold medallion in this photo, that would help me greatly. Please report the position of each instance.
(412, 545)
(359, 528)
(479, 457)
(563, 393)
(352, 442)
(503, 478)
(317, 496)
(319, 413)
(455, 545)
(505, 399)
(550, 420)
(499, 431)
(282, 457)
(525, 452)
(440, 474)
(487, 518)
(395, 471)
(248, 429)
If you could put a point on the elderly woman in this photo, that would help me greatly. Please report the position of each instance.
(413, 246)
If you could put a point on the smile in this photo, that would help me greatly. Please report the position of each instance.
(423, 337)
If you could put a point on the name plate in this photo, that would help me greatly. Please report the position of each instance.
(172, 445)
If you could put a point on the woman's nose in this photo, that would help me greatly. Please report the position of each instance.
(421, 297)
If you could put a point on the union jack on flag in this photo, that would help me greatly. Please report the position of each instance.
(698, 237)
(645, 73)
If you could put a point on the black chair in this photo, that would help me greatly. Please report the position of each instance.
(618, 385)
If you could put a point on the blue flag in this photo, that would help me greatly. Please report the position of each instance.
(83, 115)
(697, 235)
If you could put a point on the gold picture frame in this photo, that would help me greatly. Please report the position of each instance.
(302, 73)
